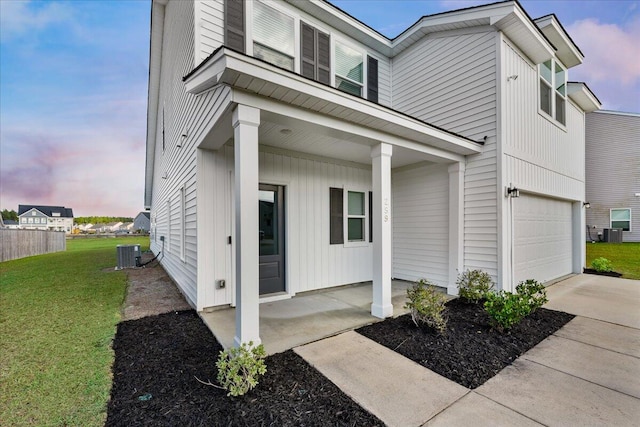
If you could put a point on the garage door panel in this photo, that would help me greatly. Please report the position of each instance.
(542, 238)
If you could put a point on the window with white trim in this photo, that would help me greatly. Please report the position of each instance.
(356, 216)
(273, 36)
(553, 90)
(349, 69)
(621, 218)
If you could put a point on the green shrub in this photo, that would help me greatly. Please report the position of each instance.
(602, 265)
(507, 309)
(533, 293)
(426, 305)
(240, 367)
(473, 285)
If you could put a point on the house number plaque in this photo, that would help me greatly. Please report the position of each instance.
(386, 210)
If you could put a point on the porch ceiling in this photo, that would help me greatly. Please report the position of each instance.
(286, 133)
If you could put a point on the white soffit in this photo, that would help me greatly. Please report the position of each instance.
(581, 95)
(568, 53)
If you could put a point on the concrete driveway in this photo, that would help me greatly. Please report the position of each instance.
(586, 374)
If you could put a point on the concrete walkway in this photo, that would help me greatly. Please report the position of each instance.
(586, 374)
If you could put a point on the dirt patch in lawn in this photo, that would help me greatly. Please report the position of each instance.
(470, 352)
(151, 291)
(158, 358)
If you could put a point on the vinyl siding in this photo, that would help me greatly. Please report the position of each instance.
(209, 28)
(541, 155)
(613, 170)
(450, 81)
(176, 167)
(421, 223)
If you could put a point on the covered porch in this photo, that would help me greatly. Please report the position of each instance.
(275, 128)
(309, 316)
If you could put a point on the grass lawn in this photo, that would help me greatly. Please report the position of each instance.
(58, 314)
(625, 257)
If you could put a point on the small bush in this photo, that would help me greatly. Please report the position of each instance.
(240, 367)
(507, 309)
(473, 285)
(533, 294)
(602, 265)
(426, 305)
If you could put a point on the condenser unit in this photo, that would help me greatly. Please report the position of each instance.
(613, 235)
(128, 256)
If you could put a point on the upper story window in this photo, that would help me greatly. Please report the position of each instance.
(621, 218)
(273, 36)
(553, 90)
(349, 69)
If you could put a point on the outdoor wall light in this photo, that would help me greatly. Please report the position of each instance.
(513, 77)
(586, 205)
(183, 139)
(513, 192)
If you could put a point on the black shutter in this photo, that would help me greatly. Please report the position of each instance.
(370, 216)
(308, 49)
(372, 79)
(234, 24)
(336, 213)
(316, 52)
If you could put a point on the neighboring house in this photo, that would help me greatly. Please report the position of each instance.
(291, 147)
(84, 227)
(613, 174)
(142, 222)
(57, 218)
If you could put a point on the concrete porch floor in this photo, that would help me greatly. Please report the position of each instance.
(308, 316)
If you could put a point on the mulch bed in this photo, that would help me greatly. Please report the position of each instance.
(470, 352)
(602, 273)
(158, 358)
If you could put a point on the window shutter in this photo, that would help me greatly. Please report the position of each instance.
(372, 79)
(316, 53)
(308, 49)
(336, 213)
(234, 24)
(324, 58)
(370, 216)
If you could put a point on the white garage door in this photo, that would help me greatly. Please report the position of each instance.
(542, 238)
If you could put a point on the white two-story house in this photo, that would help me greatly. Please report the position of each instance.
(290, 147)
(37, 217)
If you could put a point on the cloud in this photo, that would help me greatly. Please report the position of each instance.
(611, 66)
(610, 51)
(21, 17)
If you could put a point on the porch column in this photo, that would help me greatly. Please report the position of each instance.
(245, 131)
(381, 159)
(456, 225)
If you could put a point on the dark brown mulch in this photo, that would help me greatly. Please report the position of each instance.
(602, 273)
(158, 357)
(470, 352)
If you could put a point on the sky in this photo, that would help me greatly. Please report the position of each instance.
(74, 74)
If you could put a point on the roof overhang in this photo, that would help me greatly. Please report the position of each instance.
(568, 52)
(580, 93)
(506, 16)
(250, 75)
(153, 95)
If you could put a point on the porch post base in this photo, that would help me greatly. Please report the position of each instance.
(382, 311)
(237, 342)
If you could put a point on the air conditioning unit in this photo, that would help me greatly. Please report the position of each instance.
(128, 256)
(613, 235)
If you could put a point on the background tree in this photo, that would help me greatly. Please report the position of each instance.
(11, 215)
